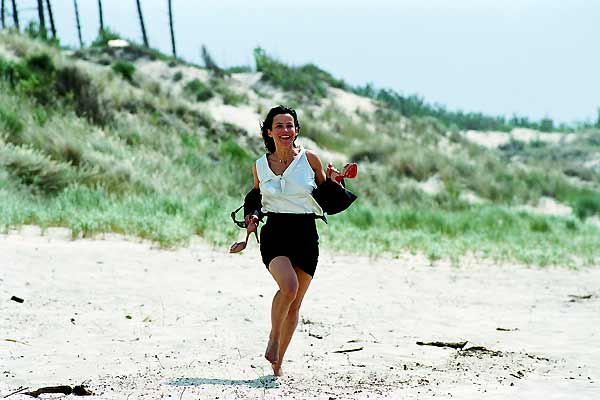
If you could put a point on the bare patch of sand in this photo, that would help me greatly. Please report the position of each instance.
(494, 139)
(7, 54)
(548, 206)
(593, 220)
(471, 197)
(431, 186)
(349, 102)
(243, 116)
(529, 135)
(489, 139)
(129, 320)
(159, 71)
(593, 163)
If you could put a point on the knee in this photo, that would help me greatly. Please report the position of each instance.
(289, 290)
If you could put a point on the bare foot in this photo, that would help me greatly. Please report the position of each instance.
(272, 353)
(277, 371)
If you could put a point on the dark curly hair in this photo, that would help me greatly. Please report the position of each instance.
(268, 124)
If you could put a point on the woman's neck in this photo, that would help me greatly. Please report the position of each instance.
(284, 155)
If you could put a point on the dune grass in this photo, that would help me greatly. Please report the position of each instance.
(115, 153)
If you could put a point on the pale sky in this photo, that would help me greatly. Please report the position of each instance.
(531, 57)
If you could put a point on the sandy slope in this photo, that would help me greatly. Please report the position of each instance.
(199, 322)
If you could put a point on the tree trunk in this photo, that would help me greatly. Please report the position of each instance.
(139, 8)
(101, 16)
(40, 8)
(15, 14)
(2, 13)
(78, 24)
(172, 30)
(51, 16)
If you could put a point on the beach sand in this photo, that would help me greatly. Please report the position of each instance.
(131, 321)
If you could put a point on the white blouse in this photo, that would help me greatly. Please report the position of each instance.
(290, 192)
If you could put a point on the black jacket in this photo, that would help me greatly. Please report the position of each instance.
(332, 198)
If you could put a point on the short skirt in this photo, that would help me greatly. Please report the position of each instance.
(293, 236)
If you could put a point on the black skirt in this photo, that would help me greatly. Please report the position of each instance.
(293, 236)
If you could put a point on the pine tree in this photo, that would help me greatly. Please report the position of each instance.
(101, 15)
(51, 16)
(141, 16)
(2, 13)
(172, 31)
(78, 24)
(40, 8)
(15, 14)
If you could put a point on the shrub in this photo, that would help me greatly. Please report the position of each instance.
(416, 163)
(39, 78)
(513, 147)
(125, 69)
(307, 80)
(539, 224)
(41, 63)
(198, 90)
(361, 217)
(103, 37)
(177, 76)
(238, 69)
(210, 64)
(10, 122)
(79, 89)
(571, 225)
(324, 138)
(587, 205)
(229, 96)
(232, 150)
(35, 169)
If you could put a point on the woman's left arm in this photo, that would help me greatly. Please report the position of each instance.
(317, 166)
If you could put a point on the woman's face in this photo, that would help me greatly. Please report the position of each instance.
(283, 130)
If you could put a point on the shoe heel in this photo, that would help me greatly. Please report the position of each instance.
(351, 171)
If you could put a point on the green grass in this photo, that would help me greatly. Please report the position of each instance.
(165, 219)
(198, 90)
(125, 69)
(306, 81)
(110, 156)
(488, 232)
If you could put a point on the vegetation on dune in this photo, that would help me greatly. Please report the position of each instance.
(310, 83)
(99, 147)
(307, 81)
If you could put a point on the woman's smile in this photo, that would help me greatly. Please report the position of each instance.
(284, 130)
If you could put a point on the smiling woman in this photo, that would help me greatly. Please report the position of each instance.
(286, 179)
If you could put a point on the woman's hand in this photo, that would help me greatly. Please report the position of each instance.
(333, 174)
(251, 221)
(349, 171)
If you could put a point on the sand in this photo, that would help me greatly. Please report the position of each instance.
(494, 139)
(132, 321)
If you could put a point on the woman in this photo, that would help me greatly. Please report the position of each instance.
(286, 177)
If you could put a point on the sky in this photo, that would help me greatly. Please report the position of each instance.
(534, 58)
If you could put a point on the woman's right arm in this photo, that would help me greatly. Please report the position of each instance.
(255, 174)
(252, 219)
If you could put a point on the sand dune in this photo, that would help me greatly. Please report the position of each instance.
(132, 321)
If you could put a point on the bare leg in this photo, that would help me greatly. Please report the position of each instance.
(291, 320)
(285, 276)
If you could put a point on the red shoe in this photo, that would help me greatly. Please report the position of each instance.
(350, 171)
